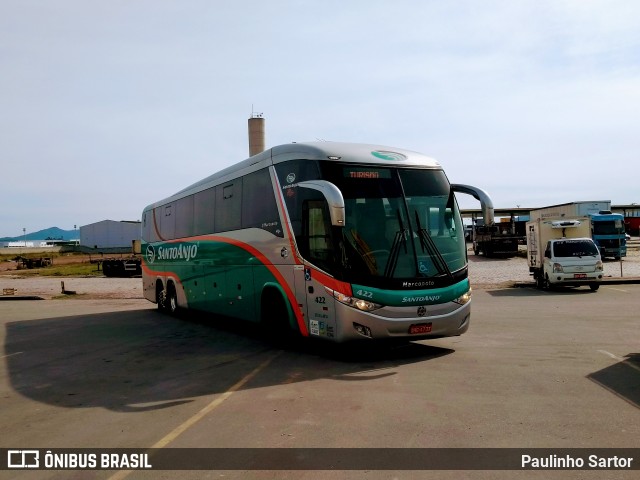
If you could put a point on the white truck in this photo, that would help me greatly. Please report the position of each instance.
(607, 228)
(560, 252)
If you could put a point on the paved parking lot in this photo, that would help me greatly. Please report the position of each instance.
(536, 369)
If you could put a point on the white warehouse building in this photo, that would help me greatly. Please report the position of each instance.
(109, 234)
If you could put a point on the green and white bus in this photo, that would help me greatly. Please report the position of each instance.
(332, 240)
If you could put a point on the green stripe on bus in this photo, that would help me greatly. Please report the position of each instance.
(402, 298)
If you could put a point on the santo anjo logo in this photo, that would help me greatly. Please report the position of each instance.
(385, 155)
(184, 251)
(151, 254)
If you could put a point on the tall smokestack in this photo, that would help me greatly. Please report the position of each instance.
(256, 134)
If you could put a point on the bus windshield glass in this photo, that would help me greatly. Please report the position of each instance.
(401, 225)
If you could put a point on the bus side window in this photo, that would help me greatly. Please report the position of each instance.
(145, 227)
(154, 223)
(184, 217)
(203, 208)
(228, 209)
(168, 222)
(259, 208)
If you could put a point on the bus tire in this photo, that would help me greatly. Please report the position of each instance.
(161, 297)
(594, 287)
(172, 300)
(275, 318)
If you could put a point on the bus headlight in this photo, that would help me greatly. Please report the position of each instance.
(557, 268)
(358, 303)
(598, 266)
(463, 299)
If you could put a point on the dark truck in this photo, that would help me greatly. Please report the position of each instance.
(495, 240)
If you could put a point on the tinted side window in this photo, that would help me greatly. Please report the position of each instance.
(295, 171)
(259, 207)
(203, 207)
(168, 221)
(184, 217)
(153, 222)
(289, 174)
(146, 225)
(228, 209)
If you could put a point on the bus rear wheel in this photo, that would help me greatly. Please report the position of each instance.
(172, 300)
(161, 297)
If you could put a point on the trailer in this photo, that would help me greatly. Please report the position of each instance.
(30, 263)
(122, 267)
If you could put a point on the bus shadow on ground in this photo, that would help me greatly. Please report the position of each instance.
(621, 379)
(143, 360)
(533, 291)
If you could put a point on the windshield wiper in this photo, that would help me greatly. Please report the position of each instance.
(428, 246)
(399, 239)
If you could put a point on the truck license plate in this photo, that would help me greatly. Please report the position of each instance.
(579, 275)
(420, 328)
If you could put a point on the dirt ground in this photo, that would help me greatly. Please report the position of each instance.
(12, 266)
(27, 282)
(75, 287)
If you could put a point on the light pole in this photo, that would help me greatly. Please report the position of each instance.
(24, 236)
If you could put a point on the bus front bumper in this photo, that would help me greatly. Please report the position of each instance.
(408, 323)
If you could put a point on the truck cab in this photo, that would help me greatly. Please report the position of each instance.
(609, 235)
(571, 262)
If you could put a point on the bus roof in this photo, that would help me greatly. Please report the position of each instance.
(351, 152)
(329, 151)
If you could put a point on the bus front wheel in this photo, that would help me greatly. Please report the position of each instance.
(274, 318)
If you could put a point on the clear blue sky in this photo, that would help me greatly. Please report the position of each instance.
(106, 106)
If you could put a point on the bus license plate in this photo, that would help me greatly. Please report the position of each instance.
(579, 275)
(420, 328)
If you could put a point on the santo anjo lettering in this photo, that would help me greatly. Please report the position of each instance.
(425, 298)
(180, 252)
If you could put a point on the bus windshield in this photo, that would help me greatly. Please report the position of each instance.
(402, 226)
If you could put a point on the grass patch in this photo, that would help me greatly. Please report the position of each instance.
(67, 297)
(71, 270)
(9, 256)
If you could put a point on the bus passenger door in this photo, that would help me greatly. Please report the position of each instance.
(320, 305)
(316, 236)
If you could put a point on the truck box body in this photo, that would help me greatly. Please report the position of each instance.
(607, 229)
(561, 252)
(571, 210)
